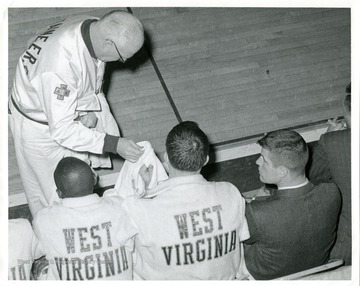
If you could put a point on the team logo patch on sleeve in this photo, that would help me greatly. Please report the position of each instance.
(62, 91)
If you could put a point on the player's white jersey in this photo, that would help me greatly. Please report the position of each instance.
(23, 249)
(190, 230)
(56, 78)
(79, 239)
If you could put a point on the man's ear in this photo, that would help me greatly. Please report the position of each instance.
(283, 171)
(207, 160)
(59, 193)
(166, 163)
(166, 157)
(96, 177)
(108, 43)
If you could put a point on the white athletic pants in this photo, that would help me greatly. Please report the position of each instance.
(37, 156)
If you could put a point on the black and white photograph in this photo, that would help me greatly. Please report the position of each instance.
(180, 141)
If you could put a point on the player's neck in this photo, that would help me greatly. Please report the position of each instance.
(292, 180)
(174, 173)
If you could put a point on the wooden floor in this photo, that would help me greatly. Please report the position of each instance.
(238, 72)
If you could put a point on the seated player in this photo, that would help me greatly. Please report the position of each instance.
(294, 228)
(23, 249)
(331, 162)
(78, 234)
(192, 228)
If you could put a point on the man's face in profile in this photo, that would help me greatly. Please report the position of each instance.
(267, 171)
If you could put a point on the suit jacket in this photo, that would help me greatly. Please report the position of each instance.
(331, 161)
(293, 230)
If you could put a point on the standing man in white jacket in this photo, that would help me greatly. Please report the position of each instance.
(57, 105)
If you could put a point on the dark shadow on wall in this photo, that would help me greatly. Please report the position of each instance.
(241, 172)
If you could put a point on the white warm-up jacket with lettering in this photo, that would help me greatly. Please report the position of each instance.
(191, 230)
(23, 249)
(78, 237)
(56, 79)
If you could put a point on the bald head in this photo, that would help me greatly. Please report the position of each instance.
(118, 28)
(74, 178)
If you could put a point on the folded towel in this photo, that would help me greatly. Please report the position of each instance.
(130, 183)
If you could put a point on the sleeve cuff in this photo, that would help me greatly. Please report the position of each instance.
(110, 143)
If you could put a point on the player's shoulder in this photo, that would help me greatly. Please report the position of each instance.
(46, 215)
(325, 186)
(264, 210)
(333, 139)
(136, 206)
(19, 223)
(227, 192)
(222, 184)
(112, 195)
(112, 204)
(134, 201)
(20, 228)
(227, 187)
(326, 189)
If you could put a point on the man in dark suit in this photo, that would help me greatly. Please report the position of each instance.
(295, 227)
(331, 162)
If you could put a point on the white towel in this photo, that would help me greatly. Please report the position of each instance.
(130, 183)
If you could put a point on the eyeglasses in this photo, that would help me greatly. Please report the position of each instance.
(121, 59)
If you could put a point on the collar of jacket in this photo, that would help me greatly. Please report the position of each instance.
(85, 33)
(293, 192)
